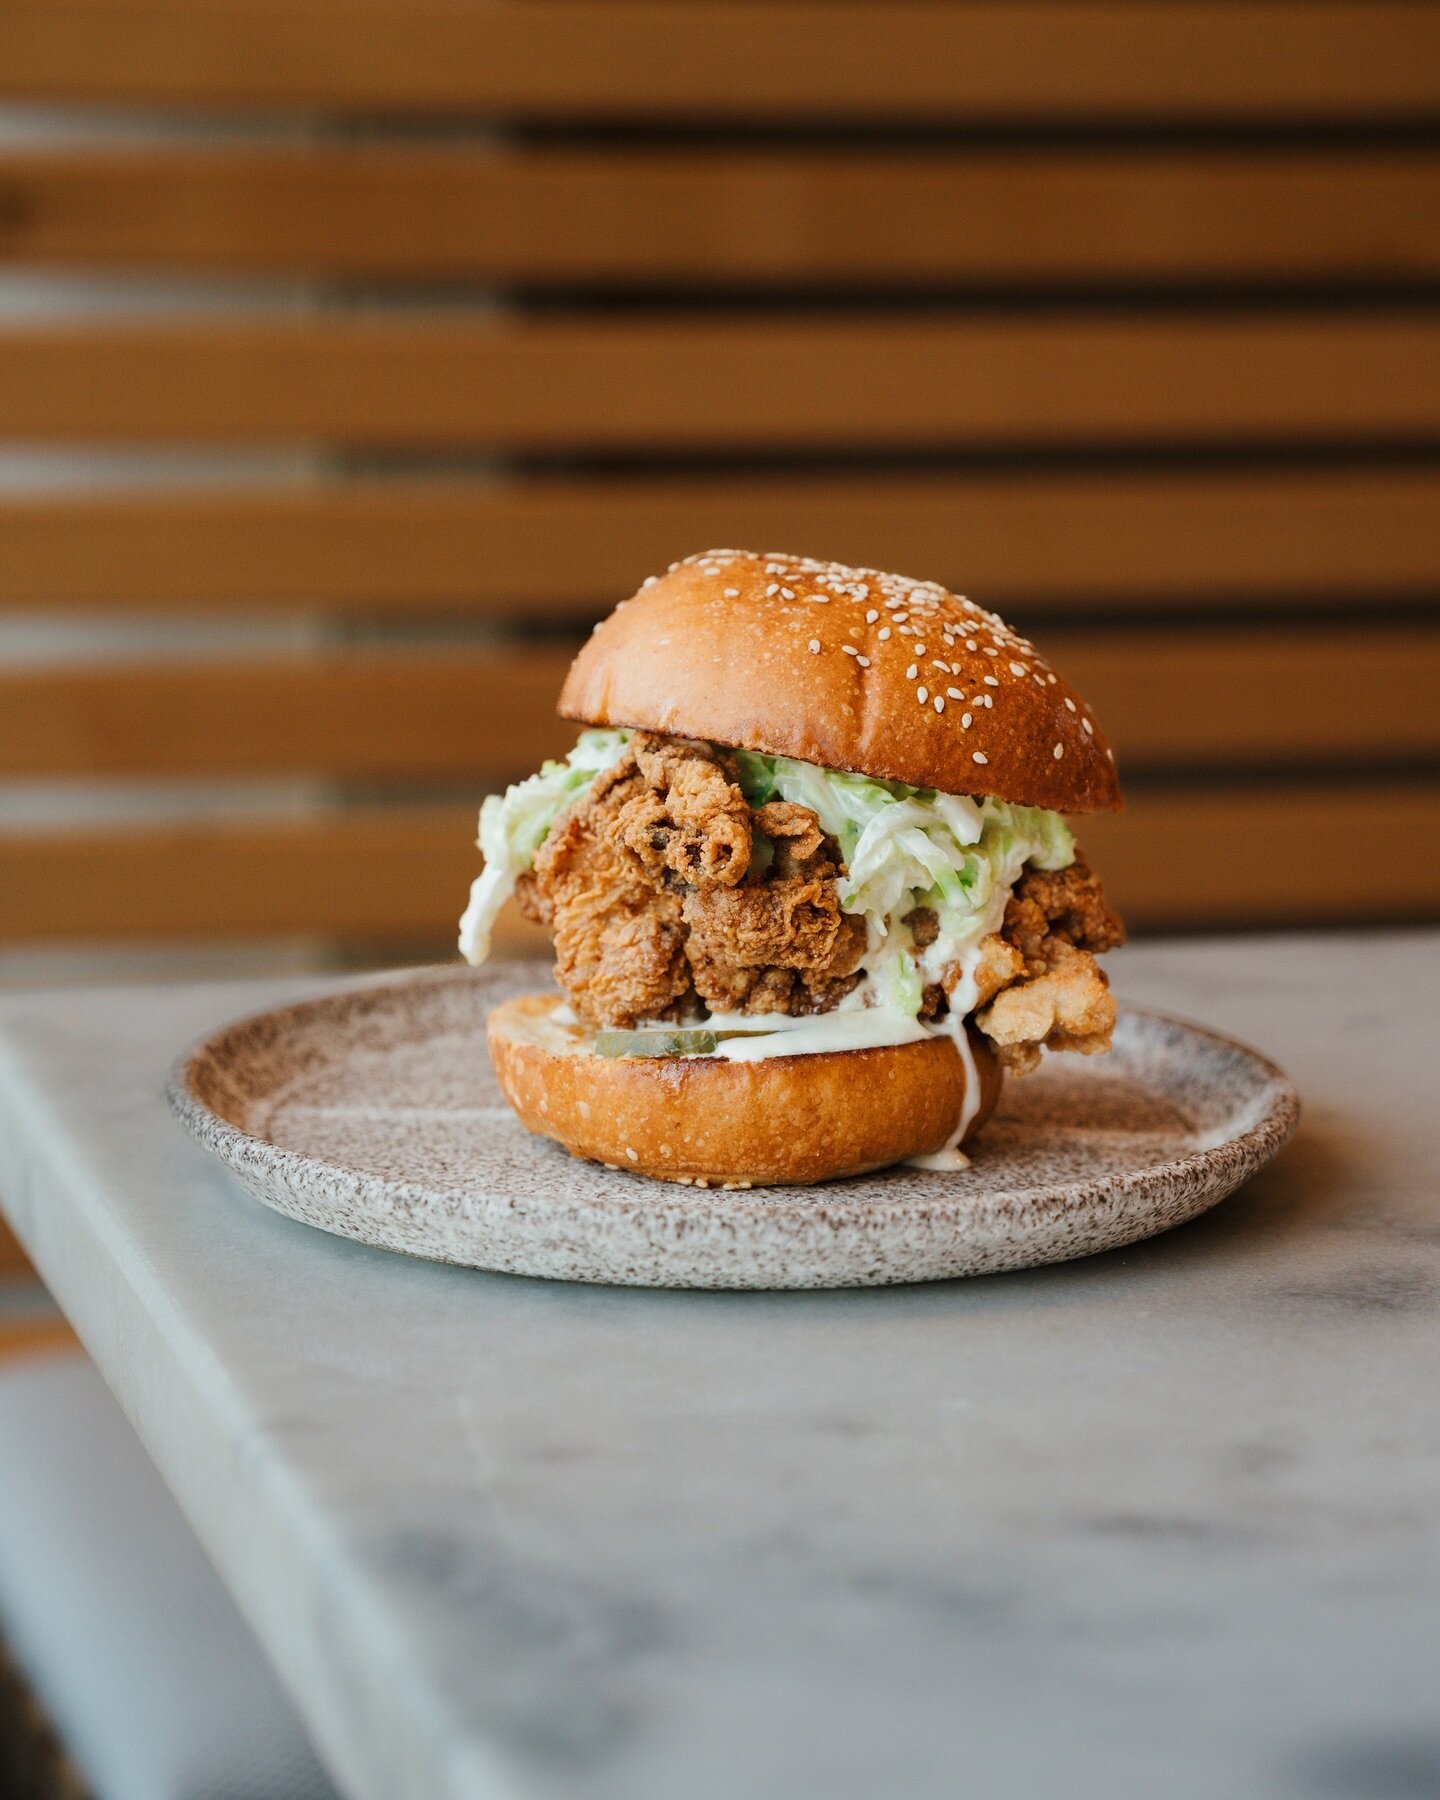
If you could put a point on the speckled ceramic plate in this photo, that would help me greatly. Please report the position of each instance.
(374, 1113)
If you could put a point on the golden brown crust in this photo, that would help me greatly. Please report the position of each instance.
(844, 668)
(650, 887)
(783, 1120)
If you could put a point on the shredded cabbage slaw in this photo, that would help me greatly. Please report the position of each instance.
(514, 825)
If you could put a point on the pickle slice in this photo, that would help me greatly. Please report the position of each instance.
(681, 1041)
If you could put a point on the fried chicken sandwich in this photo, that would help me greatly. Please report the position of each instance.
(810, 888)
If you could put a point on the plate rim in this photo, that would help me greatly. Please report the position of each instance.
(1260, 1140)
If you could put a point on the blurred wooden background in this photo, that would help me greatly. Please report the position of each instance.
(1119, 317)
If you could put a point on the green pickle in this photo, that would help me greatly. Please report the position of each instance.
(682, 1041)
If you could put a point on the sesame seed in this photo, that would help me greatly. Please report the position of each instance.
(979, 756)
(954, 693)
(1070, 704)
(919, 649)
(1018, 669)
(787, 593)
(900, 617)
(970, 644)
(814, 646)
(864, 661)
(1087, 728)
(1050, 679)
(732, 593)
(883, 633)
(774, 588)
(1058, 752)
(922, 694)
(850, 649)
(967, 720)
(912, 671)
(990, 650)
(986, 699)
(990, 681)
(871, 616)
(820, 599)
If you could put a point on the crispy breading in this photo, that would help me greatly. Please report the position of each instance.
(1000, 963)
(1060, 905)
(924, 926)
(778, 942)
(688, 816)
(1069, 1007)
(1038, 981)
(619, 938)
(661, 883)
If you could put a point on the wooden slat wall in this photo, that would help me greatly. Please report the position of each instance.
(563, 549)
(1121, 317)
(727, 219)
(875, 383)
(846, 61)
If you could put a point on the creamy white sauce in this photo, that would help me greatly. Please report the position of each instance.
(489, 891)
(868, 1030)
(963, 996)
(950, 1157)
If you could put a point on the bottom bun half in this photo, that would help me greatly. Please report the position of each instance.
(780, 1120)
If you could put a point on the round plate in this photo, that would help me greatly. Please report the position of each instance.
(374, 1113)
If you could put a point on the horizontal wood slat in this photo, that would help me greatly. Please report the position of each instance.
(1208, 857)
(568, 548)
(1222, 698)
(786, 60)
(710, 384)
(489, 715)
(1227, 859)
(1207, 698)
(385, 875)
(728, 219)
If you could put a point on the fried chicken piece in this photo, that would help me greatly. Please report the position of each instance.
(1067, 905)
(1000, 963)
(1037, 982)
(1039, 974)
(1069, 1007)
(778, 942)
(661, 884)
(795, 837)
(619, 940)
(689, 817)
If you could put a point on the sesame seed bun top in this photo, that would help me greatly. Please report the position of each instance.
(848, 668)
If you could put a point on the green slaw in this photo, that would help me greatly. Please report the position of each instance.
(907, 847)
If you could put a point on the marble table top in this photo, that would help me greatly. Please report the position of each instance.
(1161, 1523)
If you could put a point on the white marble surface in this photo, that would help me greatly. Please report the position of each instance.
(1165, 1523)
